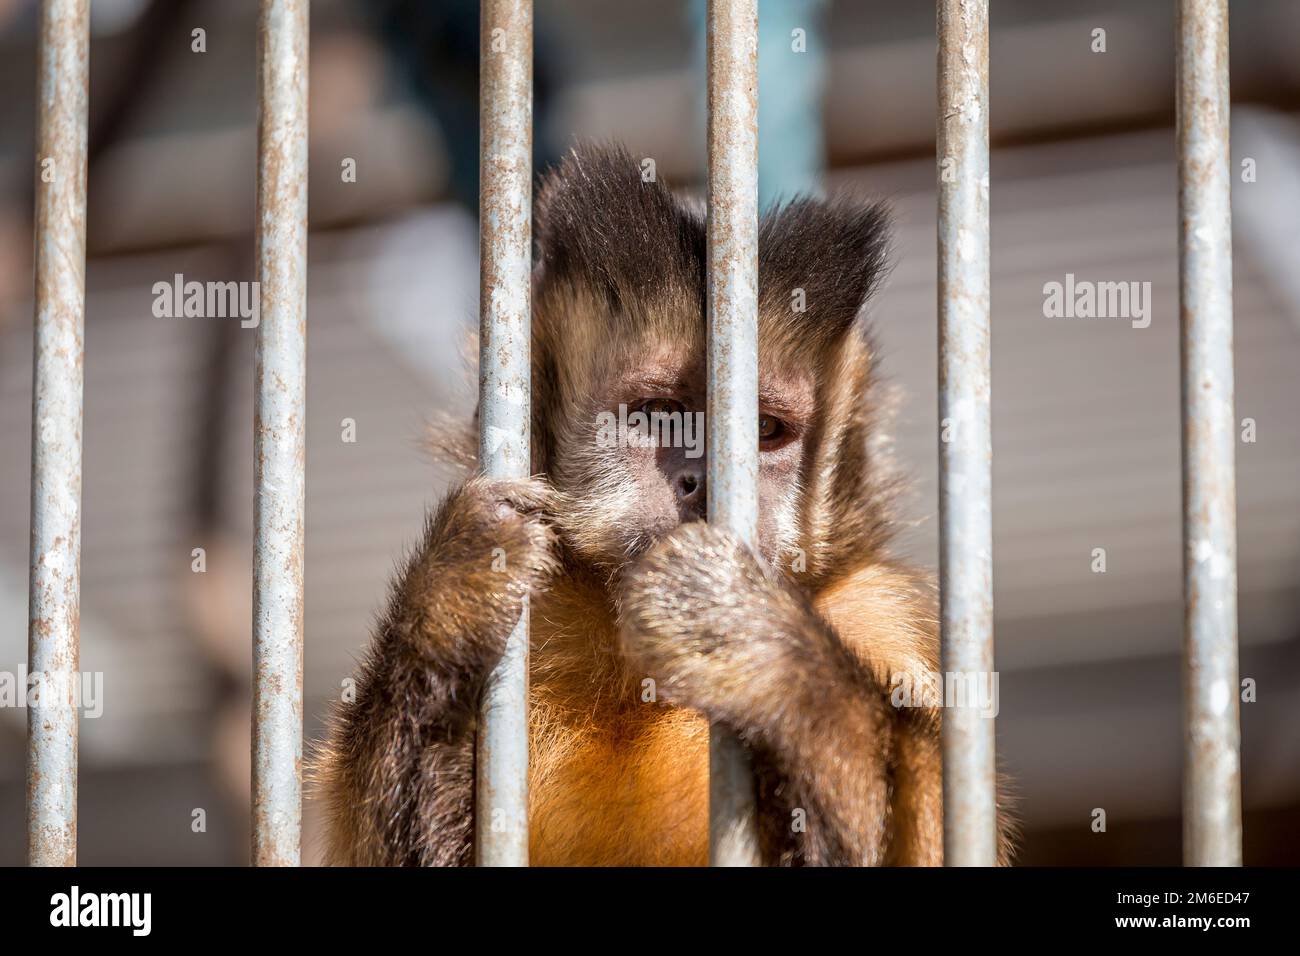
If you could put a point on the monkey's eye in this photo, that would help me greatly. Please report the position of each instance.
(661, 406)
(770, 429)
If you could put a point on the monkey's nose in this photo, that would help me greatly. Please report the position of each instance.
(689, 487)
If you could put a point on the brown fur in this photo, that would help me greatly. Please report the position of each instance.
(794, 648)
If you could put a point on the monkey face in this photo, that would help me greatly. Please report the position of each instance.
(638, 451)
(619, 374)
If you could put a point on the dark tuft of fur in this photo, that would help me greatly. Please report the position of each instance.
(597, 223)
(836, 250)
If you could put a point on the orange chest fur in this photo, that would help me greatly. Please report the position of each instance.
(614, 778)
(619, 793)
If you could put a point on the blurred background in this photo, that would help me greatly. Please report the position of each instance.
(1086, 413)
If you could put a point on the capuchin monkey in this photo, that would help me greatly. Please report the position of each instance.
(647, 622)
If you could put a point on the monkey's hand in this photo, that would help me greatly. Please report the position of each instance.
(721, 634)
(397, 771)
(484, 550)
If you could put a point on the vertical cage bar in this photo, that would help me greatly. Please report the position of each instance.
(505, 262)
(1211, 730)
(54, 608)
(733, 363)
(279, 437)
(965, 446)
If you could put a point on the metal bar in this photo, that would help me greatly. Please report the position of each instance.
(505, 257)
(1211, 730)
(965, 446)
(279, 443)
(54, 608)
(733, 363)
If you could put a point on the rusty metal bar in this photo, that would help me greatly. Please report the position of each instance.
(54, 608)
(733, 363)
(279, 442)
(965, 445)
(505, 257)
(1211, 728)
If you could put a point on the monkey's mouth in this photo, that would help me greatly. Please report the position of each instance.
(637, 543)
(629, 547)
(641, 542)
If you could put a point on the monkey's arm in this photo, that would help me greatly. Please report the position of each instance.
(723, 636)
(397, 770)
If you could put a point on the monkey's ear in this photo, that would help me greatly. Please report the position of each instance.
(602, 220)
(819, 260)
